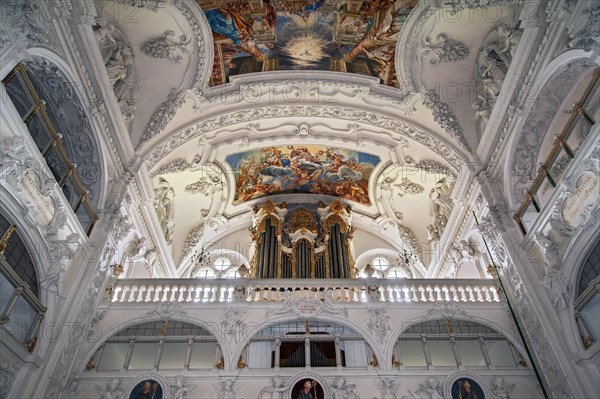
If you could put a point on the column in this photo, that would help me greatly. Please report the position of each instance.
(307, 352)
(277, 352)
(338, 354)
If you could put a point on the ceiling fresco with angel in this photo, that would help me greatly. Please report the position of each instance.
(302, 169)
(345, 36)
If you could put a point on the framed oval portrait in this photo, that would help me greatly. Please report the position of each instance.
(466, 388)
(466, 385)
(147, 389)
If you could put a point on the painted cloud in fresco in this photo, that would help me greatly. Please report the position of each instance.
(302, 169)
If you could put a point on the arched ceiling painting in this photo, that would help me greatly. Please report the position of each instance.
(302, 169)
(267, 35)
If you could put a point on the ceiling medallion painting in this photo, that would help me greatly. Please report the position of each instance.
(302, 169)
(344, 36)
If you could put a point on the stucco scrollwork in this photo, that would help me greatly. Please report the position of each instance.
(379, 323)
(7, 377)
(444, 49)
(165, 47)
(167, 310)
(445, 117)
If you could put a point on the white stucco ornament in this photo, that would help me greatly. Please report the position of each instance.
(577, 206)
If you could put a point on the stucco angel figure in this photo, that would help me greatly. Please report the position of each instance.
(429, 390)
(103, 32)
(388, 388)
(339, 388)
(181, 387)
(111, 391)
(225, 390)
(12, 155)
(275, 391)
(501, 389)
(508, 40)
(441, 204)
(164, 199)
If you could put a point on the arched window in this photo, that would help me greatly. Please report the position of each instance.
(587, 303)
(164, 345)
(22, 310)
(222, 263)
(381, 264)
(453, 344)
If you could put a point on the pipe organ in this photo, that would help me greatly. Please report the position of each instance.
(302, 242)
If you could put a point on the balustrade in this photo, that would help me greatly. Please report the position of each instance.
(277, 290)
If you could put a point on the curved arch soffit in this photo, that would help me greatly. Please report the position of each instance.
(74, 96)
(418, 318)
(550, 80)
(327, 317)
(386, 129)
(127, 322)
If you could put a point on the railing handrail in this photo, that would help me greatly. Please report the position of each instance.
(277, 290)
(559, 142)
(304, 282)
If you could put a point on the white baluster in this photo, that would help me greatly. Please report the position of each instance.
(182, 291)
(471, 296)
(141, 292)
(157, 292)
(116, 293)
(124, 294)
(463, 297)
(446, 294)
(149, 292)
(166, 292)
(132, 294)
(190, 291)
(174, 290)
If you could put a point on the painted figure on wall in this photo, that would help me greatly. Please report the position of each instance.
(148, 389)
(305, 393)
(303, 169)
(344, 36)
(466, 388)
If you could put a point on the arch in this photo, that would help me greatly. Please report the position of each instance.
(421, 317)
(555, 83)
(12, 209)
(575, 255)
(105, 331)
(70, 117)
(238, 349)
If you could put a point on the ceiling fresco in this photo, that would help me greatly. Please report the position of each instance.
(302, 169)
(345, 36)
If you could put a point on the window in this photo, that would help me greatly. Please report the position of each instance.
(454, 343)
(329, 345)
(222, 264)
(170, 345)
(587, 304)
(381, 264)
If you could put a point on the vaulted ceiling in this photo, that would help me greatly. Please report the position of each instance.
(380, 103)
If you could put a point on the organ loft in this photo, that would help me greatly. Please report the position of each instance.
(302, 241)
